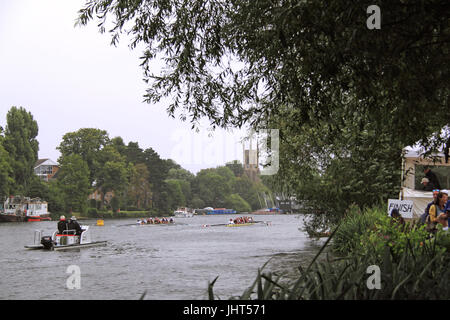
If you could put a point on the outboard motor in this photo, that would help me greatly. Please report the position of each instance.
(47, 242)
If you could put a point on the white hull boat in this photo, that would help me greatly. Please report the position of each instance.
(183, 213)
(67, 240)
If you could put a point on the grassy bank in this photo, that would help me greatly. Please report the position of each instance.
(410, 263)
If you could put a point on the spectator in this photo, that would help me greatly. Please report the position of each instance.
(436, 209)
(444, 217)
(397, 217)
(424, 216)
(427, 185)
(447, 210)
(431, 176)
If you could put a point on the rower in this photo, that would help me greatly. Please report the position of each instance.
(231, 221)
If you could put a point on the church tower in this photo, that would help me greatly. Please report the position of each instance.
(250, 161)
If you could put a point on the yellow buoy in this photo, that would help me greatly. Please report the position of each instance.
(100, 222)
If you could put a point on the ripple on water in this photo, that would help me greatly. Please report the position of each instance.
(173, 262)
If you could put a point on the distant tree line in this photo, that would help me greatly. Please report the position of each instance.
(138, 179)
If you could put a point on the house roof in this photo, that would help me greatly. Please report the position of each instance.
(45, 162)
(415, 153)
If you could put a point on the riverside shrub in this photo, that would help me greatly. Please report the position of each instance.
(355, 224)
(413, 265)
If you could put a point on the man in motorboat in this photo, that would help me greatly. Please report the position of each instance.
(74, 225)
(62, 225)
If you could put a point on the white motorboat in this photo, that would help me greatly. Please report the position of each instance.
(183, 213)
(67, 240)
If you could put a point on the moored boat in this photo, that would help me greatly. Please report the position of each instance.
(19, 209)
(268, 211)
(221, 211)
(183, 213)
(67, 240)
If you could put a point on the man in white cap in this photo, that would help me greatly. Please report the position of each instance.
(74, 225)
(427, 185)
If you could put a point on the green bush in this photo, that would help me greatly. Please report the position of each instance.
(117, 215)
(388, 233)
(55, 215)
(92, 203)
(372, 230)
(92, 213)
(235, 201)
(106, 214)
(354, 224)
(115, 204)
(443, 240)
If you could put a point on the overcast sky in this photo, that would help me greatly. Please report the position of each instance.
(71, 77)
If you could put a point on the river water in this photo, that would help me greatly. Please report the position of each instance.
(167, 262)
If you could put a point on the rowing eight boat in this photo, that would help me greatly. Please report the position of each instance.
(240, 224)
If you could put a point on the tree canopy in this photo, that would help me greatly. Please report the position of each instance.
(6, 171)
(237, 62)
(86, 142)
(346, 98)
(73, 181)
(22, 146)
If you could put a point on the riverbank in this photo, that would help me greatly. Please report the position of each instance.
(374, 258)
(97, 214)
(124, 214)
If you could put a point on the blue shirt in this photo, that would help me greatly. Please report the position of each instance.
(447, 207)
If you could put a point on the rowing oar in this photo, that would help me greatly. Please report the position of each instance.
(213, 225)
(129, 224)
(269, 223)
(225, 224)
